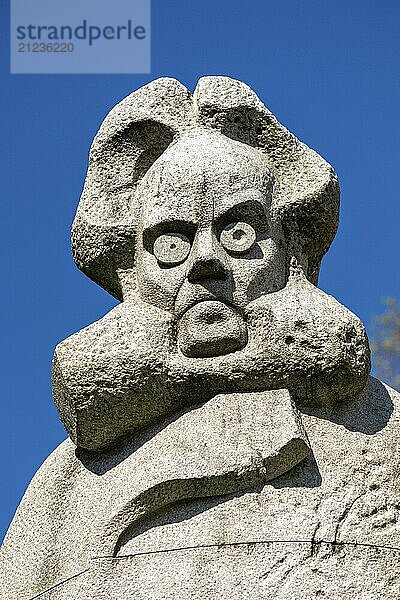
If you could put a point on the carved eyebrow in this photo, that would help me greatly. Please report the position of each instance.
(167, 226)
(251, 211)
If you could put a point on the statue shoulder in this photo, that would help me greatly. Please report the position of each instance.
(27, 546)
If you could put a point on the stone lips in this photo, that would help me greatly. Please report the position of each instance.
(141, 127)
(211, 328)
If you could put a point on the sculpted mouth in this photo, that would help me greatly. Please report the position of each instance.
(211, 328)
(181, 311)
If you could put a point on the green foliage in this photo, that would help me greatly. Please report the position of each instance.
(385, 343)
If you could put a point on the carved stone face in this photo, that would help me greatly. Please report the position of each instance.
(211, 274)
(207, 245)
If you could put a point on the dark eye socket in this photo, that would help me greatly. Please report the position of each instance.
(171, 249)
(248, 212)
(238, 237)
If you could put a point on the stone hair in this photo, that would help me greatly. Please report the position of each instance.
(141, 127)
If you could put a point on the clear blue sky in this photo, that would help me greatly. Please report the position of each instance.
(328, 70)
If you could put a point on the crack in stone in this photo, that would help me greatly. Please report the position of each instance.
(248, 543)
(313, 538)
(221, 545)
(344, 516)
(57, 585)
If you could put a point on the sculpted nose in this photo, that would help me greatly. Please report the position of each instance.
(208, 259)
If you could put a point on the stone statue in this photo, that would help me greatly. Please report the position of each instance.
(226, 440)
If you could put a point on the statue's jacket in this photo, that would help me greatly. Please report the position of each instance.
(87, 521)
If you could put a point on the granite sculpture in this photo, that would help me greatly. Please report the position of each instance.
(225, 437)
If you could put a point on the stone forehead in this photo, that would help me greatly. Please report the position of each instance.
(205, 145)
(203, 156)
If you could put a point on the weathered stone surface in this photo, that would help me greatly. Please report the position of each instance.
(283, 570)
(226, 440)
(346, 492)
(126, 370)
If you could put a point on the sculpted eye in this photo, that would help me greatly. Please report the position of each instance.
(238, 237)
(171, 249)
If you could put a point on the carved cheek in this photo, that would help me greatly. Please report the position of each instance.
(262, 272)
(159, 285)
